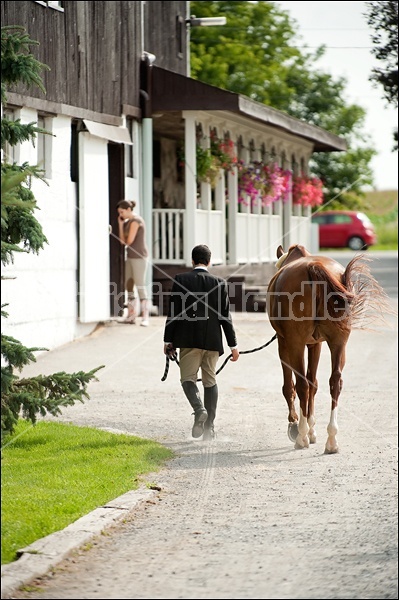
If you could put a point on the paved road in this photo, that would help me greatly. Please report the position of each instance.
(383, 265)
(245, 516)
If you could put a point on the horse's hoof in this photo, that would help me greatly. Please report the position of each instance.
(293, 431)
(334, 450)
(301, 443)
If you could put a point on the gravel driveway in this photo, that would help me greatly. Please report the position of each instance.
(246, 515)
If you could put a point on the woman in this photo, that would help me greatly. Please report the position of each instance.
(132, 235)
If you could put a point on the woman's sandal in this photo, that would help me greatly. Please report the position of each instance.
(129, 320)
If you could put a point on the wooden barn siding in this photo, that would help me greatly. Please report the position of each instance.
(92, 48)
(160, 34)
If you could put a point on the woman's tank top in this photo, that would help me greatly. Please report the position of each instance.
(138, 249)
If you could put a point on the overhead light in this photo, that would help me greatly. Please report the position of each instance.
(193, 21)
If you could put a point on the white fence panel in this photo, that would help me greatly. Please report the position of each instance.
(275, 235)
(300, 231)
(211, 230)
(242, 238)
(168, 235)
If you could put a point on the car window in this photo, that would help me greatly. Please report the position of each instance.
(319, 219)
(341, 219)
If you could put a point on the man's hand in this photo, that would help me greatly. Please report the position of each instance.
(235, 354)
(170, 351)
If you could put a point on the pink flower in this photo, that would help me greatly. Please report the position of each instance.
(307, 191)
(265, 183)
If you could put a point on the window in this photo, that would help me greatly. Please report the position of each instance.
(74, 152)
(319, 219)
(129, 150)
(9, 154)
(44, 145)
(341, 219)
(180, 35)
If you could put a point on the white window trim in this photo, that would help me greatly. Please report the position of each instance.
(45, 141)
(51, 4)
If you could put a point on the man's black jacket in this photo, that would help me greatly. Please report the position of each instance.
(199, 310)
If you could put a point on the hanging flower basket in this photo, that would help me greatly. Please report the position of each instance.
(209, 161)
(262, 182)
(224, 152)
(207, 166)
(307, 191)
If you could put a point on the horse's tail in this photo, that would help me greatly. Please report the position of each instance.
(358, 292)
(370, 302)
(334, 295)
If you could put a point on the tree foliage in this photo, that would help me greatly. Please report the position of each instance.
(21, 232)
(257, 54)
(382, 17)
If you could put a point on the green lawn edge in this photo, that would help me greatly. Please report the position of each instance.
(54, 473)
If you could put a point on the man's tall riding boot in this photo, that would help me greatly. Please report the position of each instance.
(210, 401)
(200, 414)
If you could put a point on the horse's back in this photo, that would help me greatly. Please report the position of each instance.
(298, 295)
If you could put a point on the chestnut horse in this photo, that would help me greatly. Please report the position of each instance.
(311, 300)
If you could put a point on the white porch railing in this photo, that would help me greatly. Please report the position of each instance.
(257, 236)
(301, 226)
(236, 234)
(168, 235)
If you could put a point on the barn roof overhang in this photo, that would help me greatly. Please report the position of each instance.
(172, 93)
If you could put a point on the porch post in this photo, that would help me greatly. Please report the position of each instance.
(287, 212)
(232, 210)
(191, 187)
(147, 191)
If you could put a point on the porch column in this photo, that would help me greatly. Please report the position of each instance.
(287, 233)
(148, 194)
(232, 210)
(191, 187)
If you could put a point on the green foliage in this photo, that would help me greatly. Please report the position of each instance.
(382, 209)
(21, 232)
(18, 65)
(54, 473)
(382, 17)
(205, 162)
(256, 54)
(18, 223)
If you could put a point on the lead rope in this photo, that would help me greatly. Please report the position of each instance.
(173, 356)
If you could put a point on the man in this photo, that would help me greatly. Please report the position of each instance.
(199, 310)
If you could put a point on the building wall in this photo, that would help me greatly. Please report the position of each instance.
(168, 42)
(94, 49)
(43, 296)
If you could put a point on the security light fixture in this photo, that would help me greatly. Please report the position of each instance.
(193, 21)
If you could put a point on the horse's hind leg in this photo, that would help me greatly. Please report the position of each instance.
(288, 390)
(314, 351)
(302, 389)
(337, 365)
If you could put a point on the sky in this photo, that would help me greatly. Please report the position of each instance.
(343, 28)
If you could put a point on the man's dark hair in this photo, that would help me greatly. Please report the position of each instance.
(201, 255)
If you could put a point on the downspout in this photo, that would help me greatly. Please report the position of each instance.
(147, 158)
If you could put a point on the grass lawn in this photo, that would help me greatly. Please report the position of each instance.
(53, 474)
(382, 209)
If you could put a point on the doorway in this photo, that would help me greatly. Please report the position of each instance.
(116, 192)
